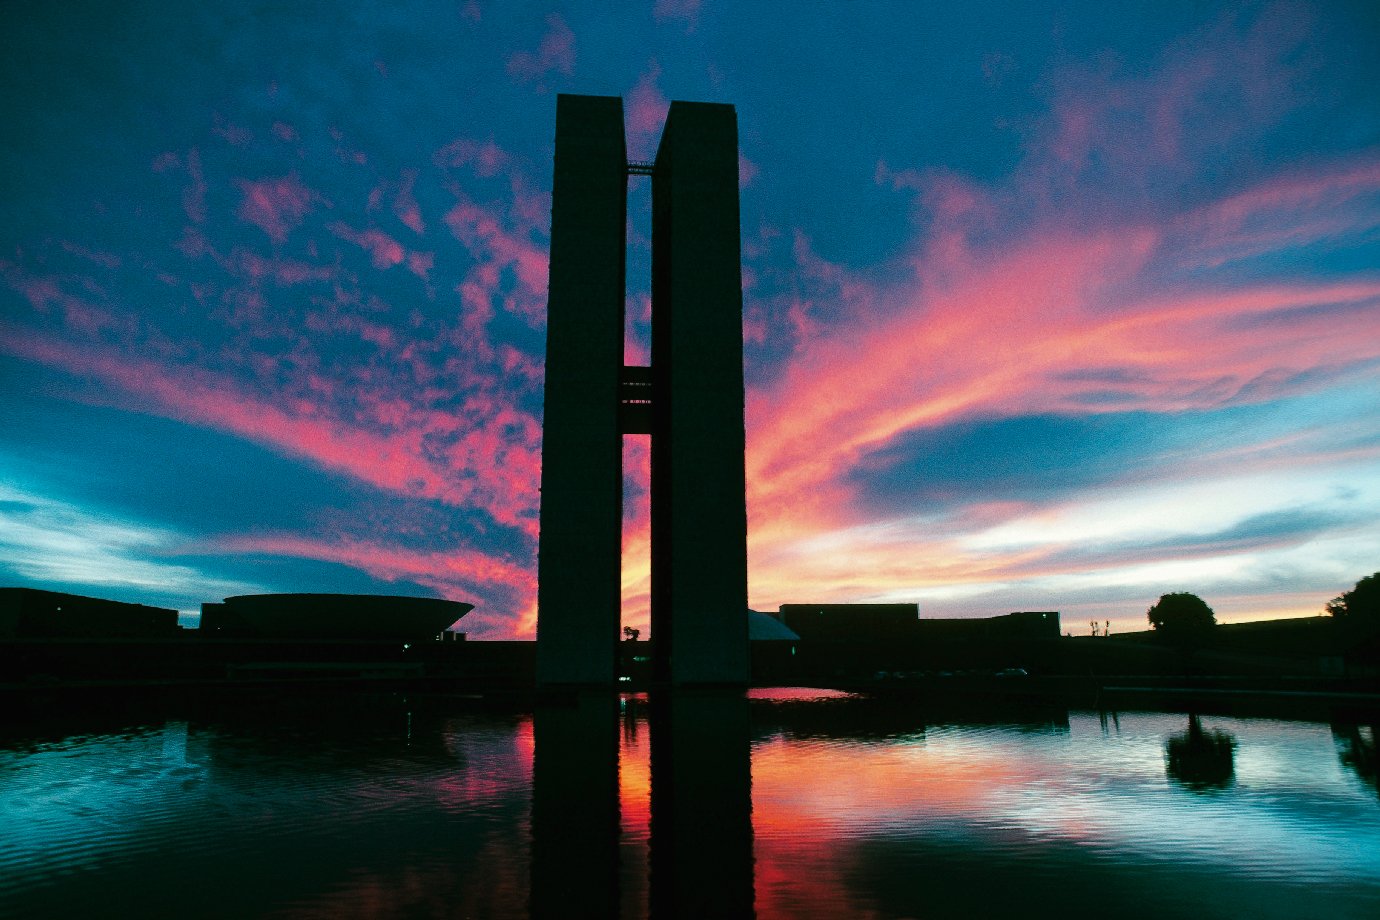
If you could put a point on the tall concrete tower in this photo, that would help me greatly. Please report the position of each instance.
(690, 400)
(580, 547)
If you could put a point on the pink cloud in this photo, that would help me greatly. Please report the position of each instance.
(420, 263)
(486, 580)
(555, 53)
(303, 356)
(194, 194)
(1284, 212)
(405, 204)
(492, 467)
(1141, 133)
(107, 260)
(483, 233)
(234, 134)
(529, 209)
(192, 244)
(747, 171)
(485, 157)
(277, 206)
(254, 268)
(686, 11)
(1043, 326)
(1299, 190)
(383, 249)
(76, 314)
(348, 322)
(637, 344)
(646, 113)
(637, 532)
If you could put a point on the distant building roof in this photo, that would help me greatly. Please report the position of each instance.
(35, 613)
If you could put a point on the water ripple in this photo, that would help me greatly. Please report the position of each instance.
(857, 808)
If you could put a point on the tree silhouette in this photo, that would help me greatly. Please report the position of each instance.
(1360, 603)
(1202, 761)
(1357, 751)
(1357, 617)
(1181, 615)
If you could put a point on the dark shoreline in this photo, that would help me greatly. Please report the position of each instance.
(1306, 666)
(1305, 699)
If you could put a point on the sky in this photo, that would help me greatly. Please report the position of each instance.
(1046, 306)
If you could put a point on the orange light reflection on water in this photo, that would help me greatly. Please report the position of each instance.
(634, 805)
(803, 828)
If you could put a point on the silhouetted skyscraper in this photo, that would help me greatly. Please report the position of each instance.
(690, 400)
(578, 581)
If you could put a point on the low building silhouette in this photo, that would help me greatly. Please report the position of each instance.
(865, 641)
(336, 617)
(53, 640)
(888, 622)
(850, 622)
(31, 613)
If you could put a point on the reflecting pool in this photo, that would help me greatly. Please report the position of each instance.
(787, 804)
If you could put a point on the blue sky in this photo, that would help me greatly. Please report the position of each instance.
(1057, 307)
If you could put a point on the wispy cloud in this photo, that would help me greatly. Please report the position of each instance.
(1063, 291)
(301, 347)
(555, 53)
(276, 206)
(504, 591)
(1157, 263)
(51, 543)
(426, 453)
(645, 113)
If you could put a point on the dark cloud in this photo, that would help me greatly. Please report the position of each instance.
(1030, 458)
(1273, 530)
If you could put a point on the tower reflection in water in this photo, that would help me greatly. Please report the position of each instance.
(575, 824)
(701, 807)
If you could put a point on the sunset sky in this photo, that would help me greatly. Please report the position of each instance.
(1047, 307)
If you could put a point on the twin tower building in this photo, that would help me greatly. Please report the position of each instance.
(690, 401)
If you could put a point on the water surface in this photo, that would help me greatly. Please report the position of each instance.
(787, 805)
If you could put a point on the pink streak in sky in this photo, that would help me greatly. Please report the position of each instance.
(457, 574)
(1036, 330)
(493, 467)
